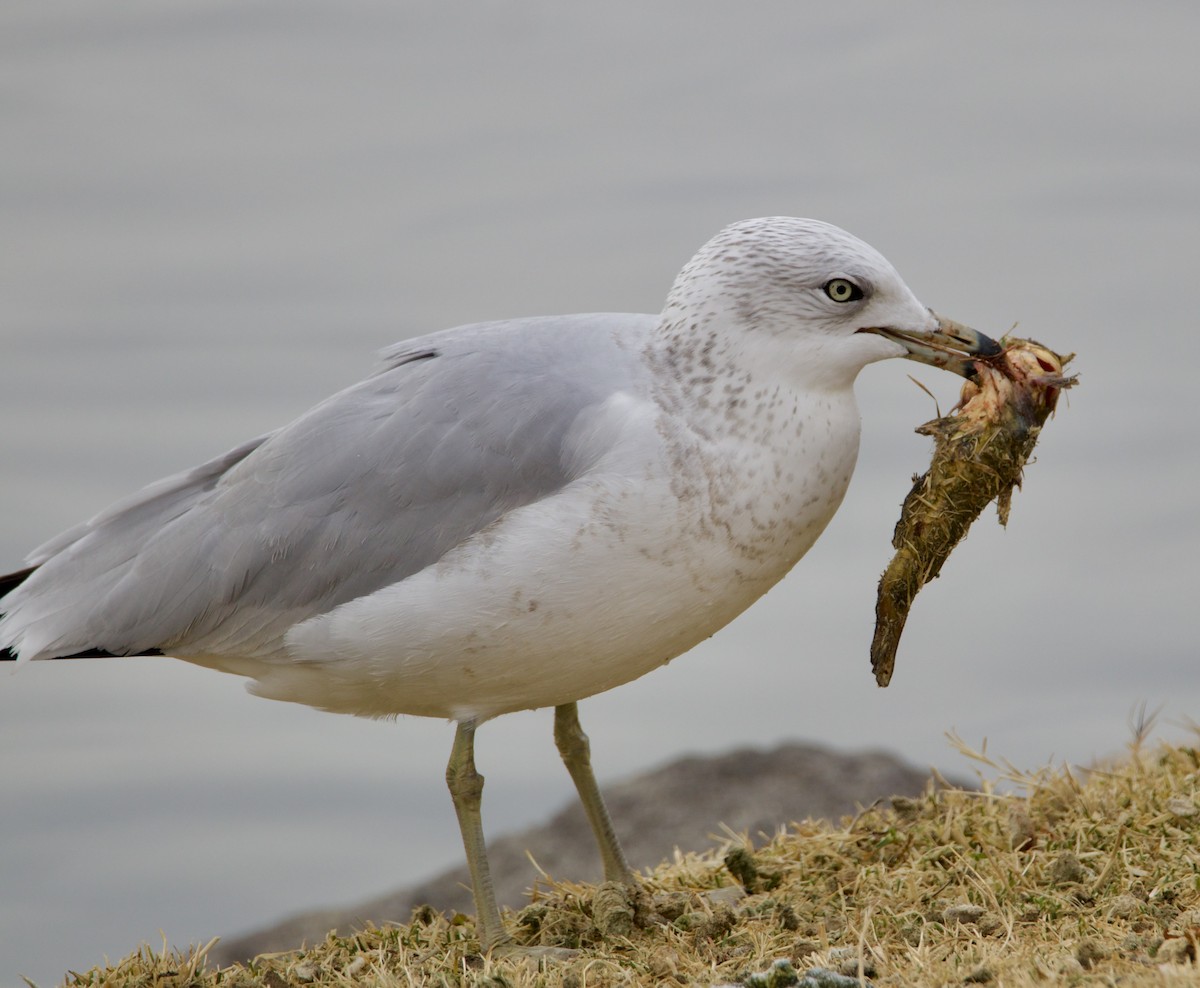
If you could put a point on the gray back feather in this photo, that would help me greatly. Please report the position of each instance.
(367, 488)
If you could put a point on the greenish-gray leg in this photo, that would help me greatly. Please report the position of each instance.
(466, 789)
(576, 755)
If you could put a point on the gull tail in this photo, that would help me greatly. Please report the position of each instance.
(8, 583)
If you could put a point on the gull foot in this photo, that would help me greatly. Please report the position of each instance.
(531, 955)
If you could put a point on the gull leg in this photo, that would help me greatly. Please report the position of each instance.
(576, 754)
(466, 789)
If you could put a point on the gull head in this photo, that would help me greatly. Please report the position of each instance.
(812, 298)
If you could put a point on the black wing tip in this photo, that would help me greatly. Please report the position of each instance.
(10, 581)
(8, 655)
(99, 653)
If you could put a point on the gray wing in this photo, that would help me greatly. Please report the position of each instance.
(364, 490)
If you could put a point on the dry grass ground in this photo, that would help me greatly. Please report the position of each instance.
(1052, 877)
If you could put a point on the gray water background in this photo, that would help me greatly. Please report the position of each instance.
(213, 213)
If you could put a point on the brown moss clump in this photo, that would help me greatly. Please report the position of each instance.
(980, 451)
(1081, 878)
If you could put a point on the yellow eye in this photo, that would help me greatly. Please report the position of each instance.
(841, 290)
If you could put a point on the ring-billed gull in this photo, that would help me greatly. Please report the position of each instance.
(509, 515)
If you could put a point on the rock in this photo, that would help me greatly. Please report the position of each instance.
(964, 912)
(1089, 953)
(1125, 907)
(727, 895)
(848, 961)
(1069, 870)
(1182, 806)
(1175, 950)
(1022, 833)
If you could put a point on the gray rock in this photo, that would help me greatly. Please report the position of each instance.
(681, 805)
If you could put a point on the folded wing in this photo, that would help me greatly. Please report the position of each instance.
(367, 488)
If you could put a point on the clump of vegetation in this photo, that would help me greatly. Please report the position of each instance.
(1050, 877)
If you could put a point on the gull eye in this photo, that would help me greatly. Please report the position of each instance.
(841, 290)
